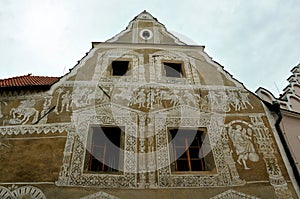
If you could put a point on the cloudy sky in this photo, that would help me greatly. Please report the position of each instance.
(258, 42)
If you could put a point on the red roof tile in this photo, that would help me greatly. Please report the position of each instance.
(28, 80)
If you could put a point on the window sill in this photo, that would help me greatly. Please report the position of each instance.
(177, 173)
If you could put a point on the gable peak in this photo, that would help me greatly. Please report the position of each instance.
(145, 28)
(145, 16)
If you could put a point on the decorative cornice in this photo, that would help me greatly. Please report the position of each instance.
(290, 113)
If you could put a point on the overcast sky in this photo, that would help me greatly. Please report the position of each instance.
(258, 42)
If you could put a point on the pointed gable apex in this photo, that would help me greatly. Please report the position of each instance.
(145, 15)
(144, 28)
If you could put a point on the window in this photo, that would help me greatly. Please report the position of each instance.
(119, 68)
(173, 69)
(104, 149)
(188, 152)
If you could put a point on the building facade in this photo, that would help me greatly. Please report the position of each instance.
(141, 115)
(290, 109)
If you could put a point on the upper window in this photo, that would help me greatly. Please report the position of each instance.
(104, 149)
(173, 69)
(119, 68)
(188, 152)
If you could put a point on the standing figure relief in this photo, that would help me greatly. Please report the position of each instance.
(218, 100)
(141, 98)
(151, 97)
(242, 142)
(80, 97)
(65, 102)
(226, 100)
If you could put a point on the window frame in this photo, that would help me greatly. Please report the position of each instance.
(128, 71)
(164, 71)
(89, 157)
(172, 150)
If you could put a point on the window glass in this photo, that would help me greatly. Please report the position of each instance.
(173, 69)
(119, 68)
(104, 152)
(188, 151)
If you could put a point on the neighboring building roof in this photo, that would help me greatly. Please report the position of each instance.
(28, 80)
(290, 99)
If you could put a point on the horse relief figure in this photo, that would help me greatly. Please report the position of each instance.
(125, 94)
(234, 101)
(24, 112)
(82, 97)
(242, 141)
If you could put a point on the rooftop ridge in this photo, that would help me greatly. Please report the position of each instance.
(29, 74)
(28, 80)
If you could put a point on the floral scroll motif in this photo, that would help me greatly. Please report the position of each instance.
(21, 192)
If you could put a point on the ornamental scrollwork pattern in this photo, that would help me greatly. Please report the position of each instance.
(226, 174)
(21, 192)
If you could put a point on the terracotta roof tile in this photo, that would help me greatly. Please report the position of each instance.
(28, 80)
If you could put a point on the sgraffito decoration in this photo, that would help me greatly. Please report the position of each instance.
(233, 194)
(243, 143)
(63, 102)
(21, 192)
(72, 171)
(100, 195)
(5, 146)
(4, 103)
(244, 136)
(145, 110)
(24, 112)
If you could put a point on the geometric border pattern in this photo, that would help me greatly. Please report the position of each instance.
(233, 194)
(100, 195)
(218, 140)
(72, 170)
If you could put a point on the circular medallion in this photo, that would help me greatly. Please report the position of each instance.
(146, 34)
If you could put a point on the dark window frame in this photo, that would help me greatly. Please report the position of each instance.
(184, 151)
(120, 67)
(173, 69)
(106, 149)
